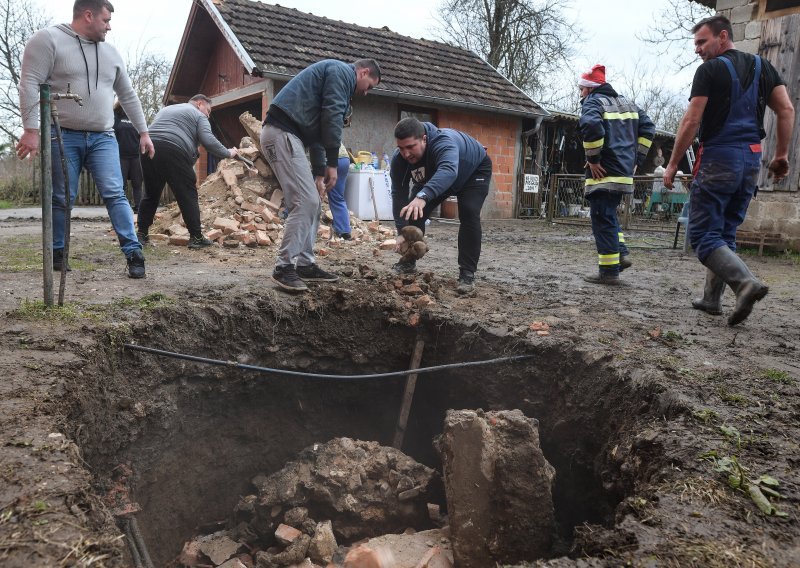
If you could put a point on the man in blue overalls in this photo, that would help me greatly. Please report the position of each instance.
(729, 94)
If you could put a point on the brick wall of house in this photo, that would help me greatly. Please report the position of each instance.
(500, 135)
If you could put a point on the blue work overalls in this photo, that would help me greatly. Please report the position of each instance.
(726, 171)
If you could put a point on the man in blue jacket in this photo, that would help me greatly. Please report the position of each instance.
(429, 165)
(616, 138)
(309, 112)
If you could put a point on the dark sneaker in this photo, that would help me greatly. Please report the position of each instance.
(405, 267)
(314, 273)
(58, 260)
(608, 278)
(345, 236)
(624, 262)
(286, 277)
(144, 238)
(136, 264)
(466, 283)
(199, 242)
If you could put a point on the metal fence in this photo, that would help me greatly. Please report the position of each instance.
(651, 206)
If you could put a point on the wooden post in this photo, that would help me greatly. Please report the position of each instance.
(47, 192)
(408, 395)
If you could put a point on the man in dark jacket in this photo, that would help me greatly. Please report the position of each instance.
(430, 165)
(309, 112)
(129, 162)
(616, 138)
(730, 93)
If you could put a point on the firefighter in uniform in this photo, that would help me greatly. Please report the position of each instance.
(616, 138)
(729, 94)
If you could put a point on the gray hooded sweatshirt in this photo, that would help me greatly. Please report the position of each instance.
(94, 70)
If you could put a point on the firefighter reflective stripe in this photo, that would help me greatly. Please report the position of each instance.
(620, 116)
(608, 259)
(644, 142)
(621, 237)
(611, 179)
(593, 148)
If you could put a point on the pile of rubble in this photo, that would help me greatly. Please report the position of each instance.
(375, 499)
(240, 206)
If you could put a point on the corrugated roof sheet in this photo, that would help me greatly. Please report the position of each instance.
(284, 41)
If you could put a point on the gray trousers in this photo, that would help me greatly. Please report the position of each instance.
(287, 158)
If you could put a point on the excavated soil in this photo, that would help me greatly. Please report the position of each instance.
(638, 396)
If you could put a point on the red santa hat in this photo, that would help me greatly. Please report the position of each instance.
(593, 78)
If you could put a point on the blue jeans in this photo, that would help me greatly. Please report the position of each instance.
(341, 215)
(720, 194)
(98, 152)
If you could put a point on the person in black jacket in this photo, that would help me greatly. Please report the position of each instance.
(429, 165)
(128, 141)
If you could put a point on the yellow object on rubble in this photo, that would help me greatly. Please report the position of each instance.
(364, 157)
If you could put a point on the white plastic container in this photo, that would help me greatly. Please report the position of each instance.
(358, 190)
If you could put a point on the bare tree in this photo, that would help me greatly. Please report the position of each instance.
(19, 19)
(651, 90)
(149, 73)
(674, 27)
(525, 40)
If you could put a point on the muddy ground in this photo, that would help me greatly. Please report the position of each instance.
(639, 396)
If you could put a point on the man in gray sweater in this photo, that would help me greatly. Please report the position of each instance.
(177, 131)
(76, 56)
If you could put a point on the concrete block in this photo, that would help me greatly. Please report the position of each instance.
(744, 14)
(498, 486)
(738, 32)
(730, 4)
(277, 197)
(749, 45)
(752, 31)
(388, 244)
(214, 234)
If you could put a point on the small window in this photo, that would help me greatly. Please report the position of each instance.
(777, 8)
(420, 113)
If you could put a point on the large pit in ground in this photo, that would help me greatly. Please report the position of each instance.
(194, 435)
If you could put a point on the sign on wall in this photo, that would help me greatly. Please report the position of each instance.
(531, 184)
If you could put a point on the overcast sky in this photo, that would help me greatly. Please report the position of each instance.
(610, 27)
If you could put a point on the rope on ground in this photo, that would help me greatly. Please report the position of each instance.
(237, 365)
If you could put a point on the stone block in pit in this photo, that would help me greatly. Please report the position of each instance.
(498, 486)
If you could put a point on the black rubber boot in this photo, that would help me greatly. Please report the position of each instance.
(711, 302)
(732, 269)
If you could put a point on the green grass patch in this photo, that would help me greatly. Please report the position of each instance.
(734, 398)
(36, 310)
(777, 376)
(148, 302)
(5, 204)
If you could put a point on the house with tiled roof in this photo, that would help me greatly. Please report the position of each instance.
(241, 53)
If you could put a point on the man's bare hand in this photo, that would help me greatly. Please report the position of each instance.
(146, 145)
(413, 210)
(319, 181)
(233, 152)
(779, 168)
(399, 240)
(597, 170)
(669, 175)
(331, 175)
(28, 144)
